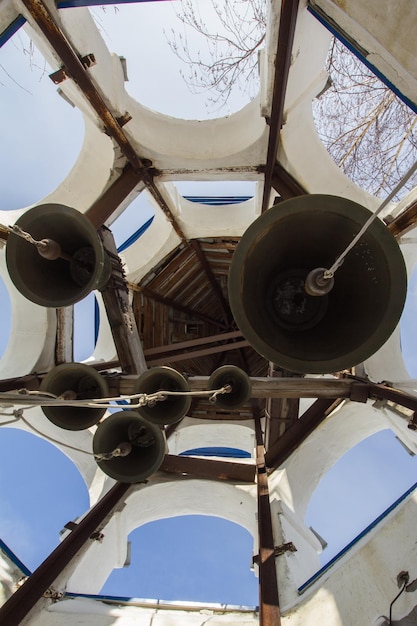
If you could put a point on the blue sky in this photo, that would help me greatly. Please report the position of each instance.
(41, 137)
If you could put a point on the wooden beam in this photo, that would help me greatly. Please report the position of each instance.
(119, 312)
(263, 387)
(300, 430)
(110, 200)
(279, 412)
(192, 343)
(227, 314)
(194, 354)
(64, 348)
(285, 184)
(152, 295)
(405, 221)
(208, 468)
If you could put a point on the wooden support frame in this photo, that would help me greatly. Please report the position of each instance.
(120, 314)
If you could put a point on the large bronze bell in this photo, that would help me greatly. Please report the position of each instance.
(74, 381)
(73, 264)
(143, 445)
(239, 382)
(316, 334)
(173, 408)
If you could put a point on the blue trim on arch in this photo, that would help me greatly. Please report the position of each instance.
(339, 35)
(218, 200)
(138, 233)
(11, 29)
(96, 320)
(234, 453)
(371, 526)
(5, 548)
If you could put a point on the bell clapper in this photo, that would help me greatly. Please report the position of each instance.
(47, 248)
(123, 449)
(319, 282)
(221, 391)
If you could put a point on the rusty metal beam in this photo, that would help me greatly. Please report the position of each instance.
(393, 395)
(208, 468)
(299, 431)
(288, 18)
(101, 210)
(285, 184)
(405, 221)
(269, 612)
(74, 69)
(25, 598)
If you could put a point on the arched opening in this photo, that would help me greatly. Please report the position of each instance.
(86, 323)
(132, 222)
(190, 557)
(41, 491)
(154, 28)
(50, 132)
(360, 486)
(366, 128)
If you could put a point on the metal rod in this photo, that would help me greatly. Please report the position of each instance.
(269, 612)
(24, 599)
(288, 18)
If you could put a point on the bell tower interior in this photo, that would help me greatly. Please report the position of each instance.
(252, 309)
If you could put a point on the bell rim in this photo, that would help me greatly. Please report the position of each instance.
(161, 443)
(96, 413)
(145, 411)
(14, 243)
(292, 208)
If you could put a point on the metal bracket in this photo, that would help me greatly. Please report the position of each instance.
(278, 551)
(53, 594)
(97, 535)
(124, 119)
(60, 75)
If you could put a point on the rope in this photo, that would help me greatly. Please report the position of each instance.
(40, 398)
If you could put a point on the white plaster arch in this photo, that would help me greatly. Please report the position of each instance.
(156, 242)
(193, 433)
(342, 430)
(161, 498)
(169, 142)
(387, 364)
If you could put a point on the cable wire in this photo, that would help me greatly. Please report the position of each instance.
(331, 271)
(395, 599)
